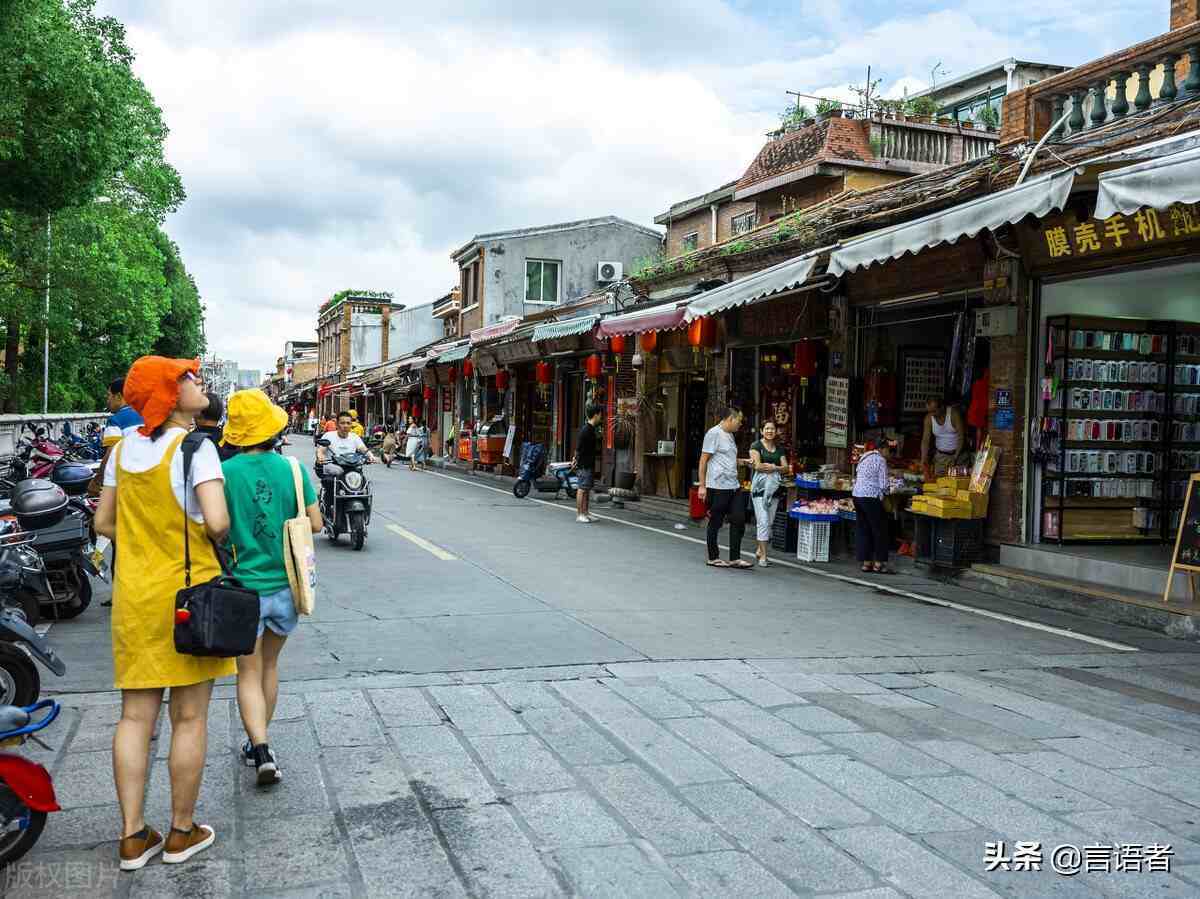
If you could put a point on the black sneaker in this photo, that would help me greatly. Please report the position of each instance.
(264, 763)
(248, 754)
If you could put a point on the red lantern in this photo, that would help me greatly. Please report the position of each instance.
(545, 373)
(453, 374)
(617, 344)
(805, 365)
(594, 366)
(702, 333)
(648, 341)
(428, 394)
(468, 368)
(404, 405)
(502, 379)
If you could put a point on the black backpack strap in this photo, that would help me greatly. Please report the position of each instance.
(191, 444)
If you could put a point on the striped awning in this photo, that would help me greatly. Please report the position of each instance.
(666, 317)
(494, 331)
(779, 278)
(454, 354)
(569, 328)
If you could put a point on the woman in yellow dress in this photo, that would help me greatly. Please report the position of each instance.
(142, 510)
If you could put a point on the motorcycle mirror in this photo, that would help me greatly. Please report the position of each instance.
(324, 441)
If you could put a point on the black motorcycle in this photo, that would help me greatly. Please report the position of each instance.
(22, 581)
(345, 496)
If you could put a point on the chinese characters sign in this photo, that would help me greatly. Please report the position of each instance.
(837, 411)
(1061, 238)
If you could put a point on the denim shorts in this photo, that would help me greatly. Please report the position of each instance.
(587, 478)
(278, 612)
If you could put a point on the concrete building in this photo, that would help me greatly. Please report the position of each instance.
(965, 97)
(410, 328)
(248, 378)
(527, 270)
(353, 331)
(220, 375)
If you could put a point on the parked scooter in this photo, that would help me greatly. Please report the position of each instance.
(567, 477)
(345, 496)
(26, 789)
(20, 644)
(533, 466)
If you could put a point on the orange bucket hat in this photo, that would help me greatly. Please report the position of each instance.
(152, 387)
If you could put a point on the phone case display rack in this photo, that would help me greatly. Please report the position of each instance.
(1128, 412)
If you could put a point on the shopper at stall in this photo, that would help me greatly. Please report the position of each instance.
(769, 463)
(587, 445)
(942, 439)
(871, 530)
(721, 488)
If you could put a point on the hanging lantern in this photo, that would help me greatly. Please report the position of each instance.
(617, 344)
(805, 365)
(545, 373)
(468, 368)
(502, 379)
(428, 394)
(702, 333)
(648, 341)
(453, 376)
(594, 366)
(404, 405)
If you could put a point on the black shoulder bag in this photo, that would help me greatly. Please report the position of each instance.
(218, 618)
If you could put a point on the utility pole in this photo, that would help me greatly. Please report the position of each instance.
(46, 341)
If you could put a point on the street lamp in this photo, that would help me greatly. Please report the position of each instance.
(46, 312)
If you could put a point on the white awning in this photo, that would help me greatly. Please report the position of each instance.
(1157, 183)
(1037, 197)
(752, 288)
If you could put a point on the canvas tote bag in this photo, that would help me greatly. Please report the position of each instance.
(298, 554)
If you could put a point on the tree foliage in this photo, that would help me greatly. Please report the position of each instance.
(81, 148)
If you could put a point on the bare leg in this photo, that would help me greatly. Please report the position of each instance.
(251, 703)
(189, 743)
(131, 754)
(272, 646)
(762, 549)
(580, 502)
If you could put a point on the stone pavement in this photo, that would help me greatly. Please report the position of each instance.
(865, 777)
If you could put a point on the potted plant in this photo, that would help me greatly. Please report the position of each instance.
(922, 109)
(989, 117)
(829, 108)
(631, 413)
(967, 124)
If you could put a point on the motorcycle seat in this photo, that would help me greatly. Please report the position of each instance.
(12, 717)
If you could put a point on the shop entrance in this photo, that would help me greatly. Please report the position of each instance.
(695, 425)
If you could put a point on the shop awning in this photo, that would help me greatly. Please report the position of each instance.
(1037, 197)
(1157, 183)
(667, 317)
(454, 354)
(569, 328)
(491, 332)
(770, 281)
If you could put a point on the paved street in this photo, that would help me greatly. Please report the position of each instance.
(495, 701)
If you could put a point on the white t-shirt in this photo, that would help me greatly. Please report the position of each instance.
(722, 473)
(344, 446)
(140, 453)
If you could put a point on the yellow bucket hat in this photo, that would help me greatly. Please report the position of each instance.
(251, 418)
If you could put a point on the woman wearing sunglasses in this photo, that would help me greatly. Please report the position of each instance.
(142, 509)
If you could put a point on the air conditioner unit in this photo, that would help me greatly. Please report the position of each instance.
(607, 272)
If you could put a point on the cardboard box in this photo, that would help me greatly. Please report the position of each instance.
(954, 483)
(977, 501)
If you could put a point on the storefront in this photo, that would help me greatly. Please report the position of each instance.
(1117, 370)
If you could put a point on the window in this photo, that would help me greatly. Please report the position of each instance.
(541, 281)
(470, 285)
(689, 242)
(740, 224)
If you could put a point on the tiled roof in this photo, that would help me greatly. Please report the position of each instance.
(834, 139)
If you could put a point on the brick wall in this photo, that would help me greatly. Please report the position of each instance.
(800, 195)
(728, 212)
(1184, 12)
(699, 222)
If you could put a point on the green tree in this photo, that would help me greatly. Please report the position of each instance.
(794, 116)
(181, 330)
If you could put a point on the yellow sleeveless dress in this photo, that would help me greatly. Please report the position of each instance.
(149, 573)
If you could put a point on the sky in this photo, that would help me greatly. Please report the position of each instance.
(353, 144)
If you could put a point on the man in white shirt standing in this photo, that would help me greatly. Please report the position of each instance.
(721, 488)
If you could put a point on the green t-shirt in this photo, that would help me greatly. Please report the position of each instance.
(261, 496)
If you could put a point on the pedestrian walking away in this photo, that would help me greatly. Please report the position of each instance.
(871, 529)
(587, 444)
(142, 507)
(261, 494)
(413, 445)
(769, 463)
(721, 489)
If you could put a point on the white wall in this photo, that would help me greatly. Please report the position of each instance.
(1172, 293)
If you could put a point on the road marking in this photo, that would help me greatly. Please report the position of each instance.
(883, 587)
(422, 542)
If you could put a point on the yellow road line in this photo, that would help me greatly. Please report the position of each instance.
(422, 542)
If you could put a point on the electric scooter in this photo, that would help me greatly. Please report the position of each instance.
(26, 788)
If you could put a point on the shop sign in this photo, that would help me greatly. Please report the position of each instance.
(1003, 419)
(1060, 238)
(837, 412)
(508, 441)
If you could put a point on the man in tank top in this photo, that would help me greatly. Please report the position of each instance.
(942, 439)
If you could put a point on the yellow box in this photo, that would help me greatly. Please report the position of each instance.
(979, 505)
(954, 483)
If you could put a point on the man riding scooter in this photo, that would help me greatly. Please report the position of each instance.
(342, 442)
(345, 493)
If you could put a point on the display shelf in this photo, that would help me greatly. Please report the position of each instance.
(1095, 519)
